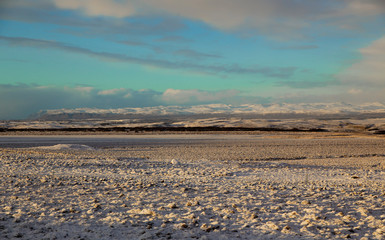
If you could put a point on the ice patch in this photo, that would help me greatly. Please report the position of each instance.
(174, 162)
(67, 147)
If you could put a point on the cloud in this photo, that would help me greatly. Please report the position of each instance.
(276, 18)
(133, 43)
(34, 11)
(19, 101)
(98, 7)
(298, 47)
(337, 94)
(196, 96)
(308, 84)
(76, 23)
(113, 92)
(22, 100)
(362, 8)
(174, 39)
(369, 70)
(364, 80)
(188, 53)
(276, 72)
(354, 91)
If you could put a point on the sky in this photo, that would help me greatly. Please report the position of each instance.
(138, 53)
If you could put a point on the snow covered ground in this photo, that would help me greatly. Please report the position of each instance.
(272, 186)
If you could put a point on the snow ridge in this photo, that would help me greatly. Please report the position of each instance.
(319, 108)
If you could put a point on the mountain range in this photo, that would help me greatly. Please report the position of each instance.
(284, 109)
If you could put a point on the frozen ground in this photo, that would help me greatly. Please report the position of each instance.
(292, 186)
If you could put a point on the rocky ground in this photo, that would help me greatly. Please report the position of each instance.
(267, 188)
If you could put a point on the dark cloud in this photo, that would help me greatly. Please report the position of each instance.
(279, 19)
(298, 47)
(188, 53)
(45, 11)
(21, 100)
(36, 11)
(276, 72)
(173, 39)
(133, 43)
(308, 84)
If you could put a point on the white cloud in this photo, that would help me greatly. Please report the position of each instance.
(84, 90)
(112, 91)
(20, 101)
(363, 8)
(355, 91)
(128, 95)
(99, 7)
(369, 71)
(195, 96)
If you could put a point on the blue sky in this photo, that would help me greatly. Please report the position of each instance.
(130, 53)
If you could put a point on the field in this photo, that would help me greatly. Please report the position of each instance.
(298, 185)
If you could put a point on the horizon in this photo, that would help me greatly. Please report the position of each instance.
(110, 54)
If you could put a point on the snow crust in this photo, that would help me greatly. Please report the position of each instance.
(294, 186)
(67, 147)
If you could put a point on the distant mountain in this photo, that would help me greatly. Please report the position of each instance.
(331, 117)
(213, 109)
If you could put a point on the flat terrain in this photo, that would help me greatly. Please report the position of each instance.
(197, 186)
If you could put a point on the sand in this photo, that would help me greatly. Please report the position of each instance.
(295, 186)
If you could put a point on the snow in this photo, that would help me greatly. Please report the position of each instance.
(66, 147)
(334, 117)
(343, 124)
(174, 162)
(323, 108)
(274, 186)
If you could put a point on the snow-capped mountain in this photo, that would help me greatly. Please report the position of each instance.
(333, 117)
(282, 108)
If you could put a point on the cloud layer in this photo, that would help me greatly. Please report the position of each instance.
(280, 19)
(20, 101)
(277, 72)
(277, 18)
(365, 79)
(370, 67)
